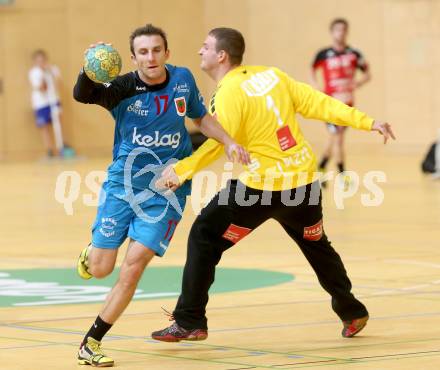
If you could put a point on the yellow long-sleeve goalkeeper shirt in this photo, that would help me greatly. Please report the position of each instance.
(257, 106)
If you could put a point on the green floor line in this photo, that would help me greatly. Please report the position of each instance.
(274, 352)
(337, 361)
(193, 359)
(206, 345)
(148, 353)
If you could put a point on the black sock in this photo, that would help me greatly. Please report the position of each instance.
(324, 161)
(341, 167)
(98, 330)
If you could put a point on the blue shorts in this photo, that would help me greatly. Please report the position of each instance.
(43, 116)
(152, 224)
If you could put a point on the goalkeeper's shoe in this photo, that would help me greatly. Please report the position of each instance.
(352, 327)
(176, 333)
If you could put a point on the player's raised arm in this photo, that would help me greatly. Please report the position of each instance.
(96, 92)
(313, 104)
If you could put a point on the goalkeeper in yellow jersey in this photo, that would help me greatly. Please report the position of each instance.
(257, 105)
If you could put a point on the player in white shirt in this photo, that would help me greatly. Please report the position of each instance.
(44, 79)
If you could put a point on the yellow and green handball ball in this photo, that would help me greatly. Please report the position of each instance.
(102, 63)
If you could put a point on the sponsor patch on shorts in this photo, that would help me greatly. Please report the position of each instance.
(235, 233)
(314, 232)
(108, 225)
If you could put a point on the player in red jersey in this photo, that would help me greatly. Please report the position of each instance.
(339, 64)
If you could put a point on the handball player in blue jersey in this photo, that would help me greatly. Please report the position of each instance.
(149, 106)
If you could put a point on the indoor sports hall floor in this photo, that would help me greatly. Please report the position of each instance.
(268, 310)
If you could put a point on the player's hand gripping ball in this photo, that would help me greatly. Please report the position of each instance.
(102, 63)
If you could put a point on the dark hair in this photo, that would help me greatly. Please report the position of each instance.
(39, 52)
(148, 30)
(336, 21)
(231, 41)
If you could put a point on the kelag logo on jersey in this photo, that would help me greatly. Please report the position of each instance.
(172, 140)
(136, 108)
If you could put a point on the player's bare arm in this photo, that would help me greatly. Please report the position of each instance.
(365, 77)
(211, 128)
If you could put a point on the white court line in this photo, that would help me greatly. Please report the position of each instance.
(414, 263)
(413, 287)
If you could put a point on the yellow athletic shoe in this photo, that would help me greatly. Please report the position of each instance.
(91, 354)
(83, 263)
